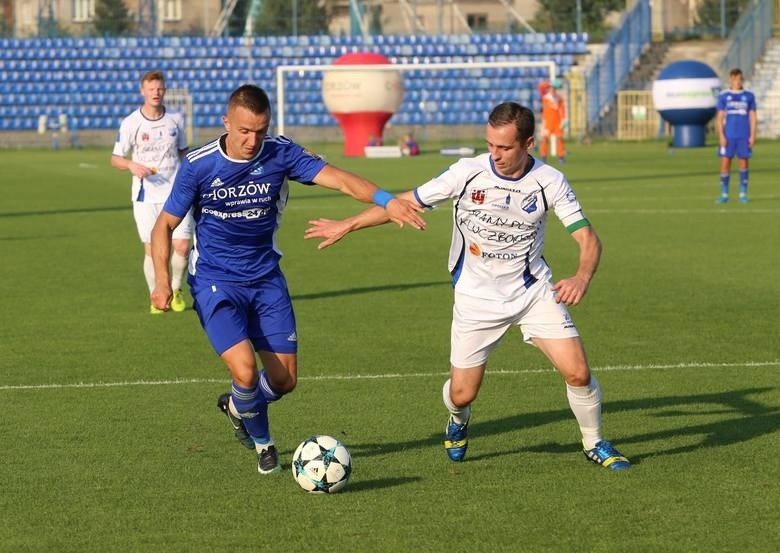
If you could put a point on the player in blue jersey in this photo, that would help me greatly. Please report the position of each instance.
(501, 280)
(736, 124)
(237, 189)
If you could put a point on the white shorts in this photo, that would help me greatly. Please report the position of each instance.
(146, 214)
(479, 324)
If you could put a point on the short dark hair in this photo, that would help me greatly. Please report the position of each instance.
(513, 113)
(155, 75)
(734, 72)
(250, 97)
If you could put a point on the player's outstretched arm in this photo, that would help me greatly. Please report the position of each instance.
(161, 253)
(400, 211)
(570, 291)
(334, 230)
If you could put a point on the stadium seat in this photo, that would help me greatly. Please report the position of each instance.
(65, 71)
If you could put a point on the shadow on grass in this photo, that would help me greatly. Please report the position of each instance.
(742, 419)
(379, 483)
(368, 290)
(9, 214)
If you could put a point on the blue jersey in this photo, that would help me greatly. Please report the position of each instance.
(736, 105)
(237, 206)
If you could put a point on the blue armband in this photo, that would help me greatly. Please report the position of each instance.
(382, 197)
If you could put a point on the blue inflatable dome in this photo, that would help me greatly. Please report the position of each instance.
(685, 93)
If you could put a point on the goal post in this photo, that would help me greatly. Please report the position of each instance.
(282, 71)
(180, 99)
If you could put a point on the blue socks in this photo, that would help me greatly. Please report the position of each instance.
(743, 182)
(252, 405)
(724, 184)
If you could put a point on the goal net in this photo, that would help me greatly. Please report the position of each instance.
(180, 99)
(443, 95)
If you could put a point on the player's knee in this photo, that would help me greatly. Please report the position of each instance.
(246, 377)
(289, 384)
(462, 396)
(283, 383)
(578, 378)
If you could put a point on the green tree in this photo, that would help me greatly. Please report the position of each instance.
(276, 17)
(708, 14)
(561, 15)
(111, 18)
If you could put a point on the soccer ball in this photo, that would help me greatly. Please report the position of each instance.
(321, 464)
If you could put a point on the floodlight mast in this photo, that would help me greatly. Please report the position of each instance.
(282, 69)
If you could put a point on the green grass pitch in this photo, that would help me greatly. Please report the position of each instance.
(110, 437)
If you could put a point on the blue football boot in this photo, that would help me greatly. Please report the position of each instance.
(606, 455)
(456, 439)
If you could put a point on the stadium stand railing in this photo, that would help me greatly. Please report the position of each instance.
(94, 81)
(612, 68)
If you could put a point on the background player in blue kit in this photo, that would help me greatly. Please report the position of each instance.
(237, 187)
(501, 200)
(736, 124)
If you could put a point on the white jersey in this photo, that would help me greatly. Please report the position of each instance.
(156, 144)
(499, 224)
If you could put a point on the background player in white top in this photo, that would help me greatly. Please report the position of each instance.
(501, 200)
(155, 139)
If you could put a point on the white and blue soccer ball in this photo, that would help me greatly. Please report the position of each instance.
(321, 464)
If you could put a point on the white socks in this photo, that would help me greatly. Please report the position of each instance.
(178, 266)
(459, 414)
(149, 272)
(585, 403)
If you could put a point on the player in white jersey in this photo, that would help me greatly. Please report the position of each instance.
(501, 200)
(155, 139)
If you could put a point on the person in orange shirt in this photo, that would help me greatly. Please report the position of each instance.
(553, 122)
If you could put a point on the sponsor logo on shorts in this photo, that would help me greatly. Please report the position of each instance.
(292, 337)
(567, 322)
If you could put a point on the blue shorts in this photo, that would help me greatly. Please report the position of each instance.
(735, 146)
(261, 312)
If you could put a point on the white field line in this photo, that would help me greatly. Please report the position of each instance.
(741, 210)
(386, 376)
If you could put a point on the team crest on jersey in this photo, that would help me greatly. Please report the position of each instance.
(145, 137)
(478, 196)
(530, 204)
